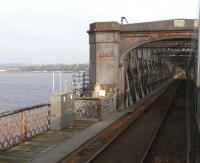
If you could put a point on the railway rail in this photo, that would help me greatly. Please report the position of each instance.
(169, 142)
(135, 141)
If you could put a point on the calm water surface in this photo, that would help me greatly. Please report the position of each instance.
(18, 90)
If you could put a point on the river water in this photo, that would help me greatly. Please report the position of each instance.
(18, 90)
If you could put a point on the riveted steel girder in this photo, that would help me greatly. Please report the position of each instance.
(150, 65)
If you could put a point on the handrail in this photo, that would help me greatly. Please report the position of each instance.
(7, 113)
(18, 125)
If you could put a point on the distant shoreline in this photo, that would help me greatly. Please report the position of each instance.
(45, 68)
(8, 71)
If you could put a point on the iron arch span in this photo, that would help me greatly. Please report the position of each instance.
(119, 52)
(149, 65)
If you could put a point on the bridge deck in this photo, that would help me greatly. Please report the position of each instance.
(130, 146)
(42, 143)
(51, 146)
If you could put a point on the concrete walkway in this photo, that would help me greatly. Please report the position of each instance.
(76, 141)
(51, 146)
(42, 143)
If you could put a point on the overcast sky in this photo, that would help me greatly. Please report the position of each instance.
(54, 31)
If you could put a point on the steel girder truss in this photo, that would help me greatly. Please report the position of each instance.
(144, 72)
(178, 52)
(149, 66)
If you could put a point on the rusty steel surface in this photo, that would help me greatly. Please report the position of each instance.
(19, 125)
(103, 139)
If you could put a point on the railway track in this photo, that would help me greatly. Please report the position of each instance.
(169, 143)
(132, 143)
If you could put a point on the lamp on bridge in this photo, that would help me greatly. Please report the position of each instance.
(122, 20)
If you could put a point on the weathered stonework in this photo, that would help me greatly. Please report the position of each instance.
(111, 42)
(94, 108)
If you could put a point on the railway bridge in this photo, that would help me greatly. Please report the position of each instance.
(134, 59)
(151, 72)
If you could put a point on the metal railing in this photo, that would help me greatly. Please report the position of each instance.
(18, 125)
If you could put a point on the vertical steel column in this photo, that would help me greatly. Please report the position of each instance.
(136, 76)
(198, 90)
(198, 61)
(133, 72)
(198, 79)
(149, 64)
(145, 66)
(139, 69)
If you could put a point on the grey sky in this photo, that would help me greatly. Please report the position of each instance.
(54, 31)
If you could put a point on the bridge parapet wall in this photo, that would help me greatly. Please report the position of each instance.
(21, 124)
(164, 25)
(94, 108)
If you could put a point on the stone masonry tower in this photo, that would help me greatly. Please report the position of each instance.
(104, 39)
